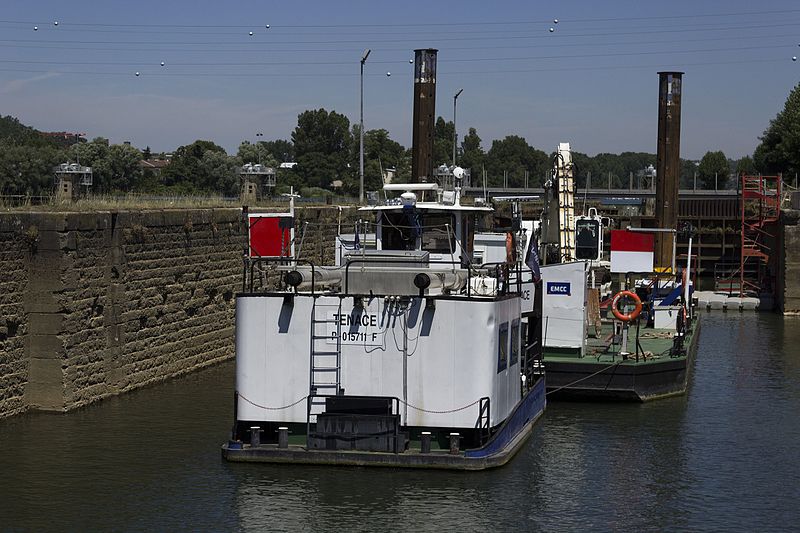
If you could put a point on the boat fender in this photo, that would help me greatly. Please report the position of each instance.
(633, 314)
(511, 255)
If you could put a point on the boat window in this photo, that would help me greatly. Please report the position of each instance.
(438, 233)
(502, 348)
(515, 343)
(399, 231)
(468, 235)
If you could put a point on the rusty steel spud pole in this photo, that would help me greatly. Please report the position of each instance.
(668, 164)
(424, 114)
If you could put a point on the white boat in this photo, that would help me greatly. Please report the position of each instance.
(407, 352)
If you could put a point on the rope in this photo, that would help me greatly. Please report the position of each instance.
(439, 412)
(271, 408)
(586, 377)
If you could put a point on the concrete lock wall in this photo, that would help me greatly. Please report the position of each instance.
(96, 304)
(789, 270)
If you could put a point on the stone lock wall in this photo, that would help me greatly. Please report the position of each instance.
(97, 304)
(789, 263)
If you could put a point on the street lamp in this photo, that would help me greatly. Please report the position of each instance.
(361, 133)
(455, 132)
(259, 134)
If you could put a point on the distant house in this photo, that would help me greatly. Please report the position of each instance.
(153, 166)
(288, 165)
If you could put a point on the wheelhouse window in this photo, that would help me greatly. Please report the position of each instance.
(438, 233)
(399, 231)
(515, 343)
(502, 348)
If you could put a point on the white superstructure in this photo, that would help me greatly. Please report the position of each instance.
(411, 318)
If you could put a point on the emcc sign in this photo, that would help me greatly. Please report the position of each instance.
(558, 287)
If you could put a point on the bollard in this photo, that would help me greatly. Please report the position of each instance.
(283, 437)
(425, 442)
(255, 436)
(454, 438)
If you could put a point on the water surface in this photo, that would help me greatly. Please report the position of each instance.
(723, 457)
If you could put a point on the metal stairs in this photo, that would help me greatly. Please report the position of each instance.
(760, 207)
(325, 369)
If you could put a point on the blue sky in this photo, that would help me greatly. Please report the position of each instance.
(591, 82)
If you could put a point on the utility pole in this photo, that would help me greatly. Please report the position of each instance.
(361, 132)
(455, 131)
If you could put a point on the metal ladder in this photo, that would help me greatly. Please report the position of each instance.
(566, 202)
(325, 370)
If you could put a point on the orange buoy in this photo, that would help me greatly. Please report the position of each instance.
(615, 306)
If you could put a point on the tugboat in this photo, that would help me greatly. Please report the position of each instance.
(407, 354)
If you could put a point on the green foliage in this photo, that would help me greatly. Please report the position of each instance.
(12, 131)
(443, 142)
(779, 151)
(114, 167)
(322, 143)
(472, 155)
(746, 165)
(201, 167)
(515, 156)
(27, 169)
(713, 170)
(255, 153)
(281, 150)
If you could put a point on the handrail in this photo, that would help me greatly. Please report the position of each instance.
(247, 280)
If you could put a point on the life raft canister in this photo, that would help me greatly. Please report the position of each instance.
(615, 306)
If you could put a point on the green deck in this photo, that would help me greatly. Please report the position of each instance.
(603, 373)
(656, 344)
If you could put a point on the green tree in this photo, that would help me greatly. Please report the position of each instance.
(123, 165)
(95, 154)
(779, 151)
(282, 150)
(514, 156)
(28, 169)
(443, 142)
(380, 153)
(188, 173)
(746, 165)
(322, 143)
(255, 153)
(713, 170)
(218, 173)
(472, 154)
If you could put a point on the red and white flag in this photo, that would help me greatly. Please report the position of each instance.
(632, 251)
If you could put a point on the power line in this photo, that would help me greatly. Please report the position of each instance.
(250, 24)
(160, 74)
(401, 49)
(444, 61)
(438, 39)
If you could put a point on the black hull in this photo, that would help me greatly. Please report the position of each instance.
(588, 379)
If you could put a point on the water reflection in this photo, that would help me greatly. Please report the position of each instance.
(722, 457)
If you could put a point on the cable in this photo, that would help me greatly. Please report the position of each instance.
(415, 24)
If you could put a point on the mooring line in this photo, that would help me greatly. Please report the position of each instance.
(272, 408)
(439, 412)
(581, 379)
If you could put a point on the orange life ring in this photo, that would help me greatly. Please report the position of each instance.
(629, 316)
